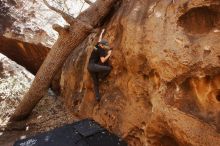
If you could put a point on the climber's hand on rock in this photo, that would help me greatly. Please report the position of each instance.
(109, 52)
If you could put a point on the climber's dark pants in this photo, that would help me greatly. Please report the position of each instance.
(97, 72)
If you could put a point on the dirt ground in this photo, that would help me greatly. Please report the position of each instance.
(48, 114)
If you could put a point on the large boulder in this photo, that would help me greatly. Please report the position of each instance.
(164, 86)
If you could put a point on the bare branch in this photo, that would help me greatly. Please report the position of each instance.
(58, 28)
(69, 19)
(88, 2)
(81, 7)
(65, 4)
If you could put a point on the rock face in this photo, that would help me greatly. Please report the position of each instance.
(14, 82)
(164, 88)
(29, 55)
(26, 32)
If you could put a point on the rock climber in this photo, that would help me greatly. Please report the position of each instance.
(98, 66)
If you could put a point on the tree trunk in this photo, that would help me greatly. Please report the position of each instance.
(69, 39)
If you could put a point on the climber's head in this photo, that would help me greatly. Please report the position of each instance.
(104, 44)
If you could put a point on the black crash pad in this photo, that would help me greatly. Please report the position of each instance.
(83, 133)
(87, 127)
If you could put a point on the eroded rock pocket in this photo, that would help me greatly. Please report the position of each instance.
(200, 20)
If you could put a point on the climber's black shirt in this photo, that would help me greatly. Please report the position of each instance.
(96, 54)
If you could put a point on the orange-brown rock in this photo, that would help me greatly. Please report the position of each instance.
(31, 56)
(164, 86)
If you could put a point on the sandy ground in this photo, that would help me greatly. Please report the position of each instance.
(48, 114)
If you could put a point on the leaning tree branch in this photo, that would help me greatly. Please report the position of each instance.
(60, 29)
(78, 30)
(88, 2)
(69, 19)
